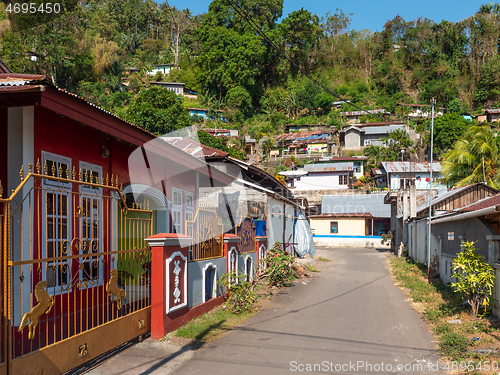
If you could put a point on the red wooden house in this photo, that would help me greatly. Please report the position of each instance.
(80, 190)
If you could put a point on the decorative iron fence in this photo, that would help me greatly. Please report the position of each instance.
(73, 259)
(206, 233)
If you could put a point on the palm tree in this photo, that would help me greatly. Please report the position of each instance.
(267, 145)
(374, 154)
(475, 157)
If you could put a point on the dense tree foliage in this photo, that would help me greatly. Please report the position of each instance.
(447, 129)
(158, 110)
(220, 144)
(103, 49)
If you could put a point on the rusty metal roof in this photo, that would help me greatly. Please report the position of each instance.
(329, 167)
(414, 105)
(492, 110)
(195, 148)
(7, 79)
(309, 125)
(343, 158)
(409, 166)
(361, 113)
(297, 135)
(483, 203)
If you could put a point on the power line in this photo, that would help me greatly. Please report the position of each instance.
(259, 30)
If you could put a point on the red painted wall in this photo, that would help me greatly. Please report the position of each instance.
(65, 137)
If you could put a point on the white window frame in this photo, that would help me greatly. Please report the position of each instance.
(189, 212)
(96, 194)
(177, 211)
(65, 188)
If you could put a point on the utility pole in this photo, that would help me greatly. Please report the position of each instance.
(433, 102)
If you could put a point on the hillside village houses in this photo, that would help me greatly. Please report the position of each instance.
(123, 209)
(84, 192)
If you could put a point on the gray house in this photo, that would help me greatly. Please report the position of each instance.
(356, 137)
(176, 87)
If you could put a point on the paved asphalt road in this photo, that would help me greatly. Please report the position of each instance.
(349, 317)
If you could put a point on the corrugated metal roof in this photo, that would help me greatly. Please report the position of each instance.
(377, 172)
(414, 105)
(329, 167)
(356, 203)
(215, 130)
(308, 125)
(343, 215)
(410, 166)
(361, 113)
(382, 129)
(204, 109)
(343, 158)
(423, 197)
(484, 203)
(453, 191)
(20, 79)
(40, 80)
(378, 124)
(302, 135)
(492, 110)
(194, 148)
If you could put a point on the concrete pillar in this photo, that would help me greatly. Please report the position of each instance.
(169, 287)
(405, 216)
(413, 201)
(231, 252)
(405, 204)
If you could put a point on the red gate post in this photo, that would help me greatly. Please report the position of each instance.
(169, 287)
(231, 251)
(261, 243)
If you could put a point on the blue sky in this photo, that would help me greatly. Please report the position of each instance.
(371, 14)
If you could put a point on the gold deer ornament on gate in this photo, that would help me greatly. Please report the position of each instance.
(45, 303)
(112, 289)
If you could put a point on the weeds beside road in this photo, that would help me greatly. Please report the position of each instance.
(473, 343)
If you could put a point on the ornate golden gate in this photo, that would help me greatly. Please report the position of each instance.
(75, 270)
(206, 233)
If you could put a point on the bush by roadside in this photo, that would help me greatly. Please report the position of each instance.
(462, 337)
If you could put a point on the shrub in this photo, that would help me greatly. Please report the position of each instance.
(241, 295)
(475, 278)
(277, 265)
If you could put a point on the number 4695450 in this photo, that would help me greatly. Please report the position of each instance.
(33, 8)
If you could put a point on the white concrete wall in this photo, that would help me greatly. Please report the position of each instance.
(321, 181)
(352, 140)
(421, 185)
(275, 221)
(354, 226)
(366, 241)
